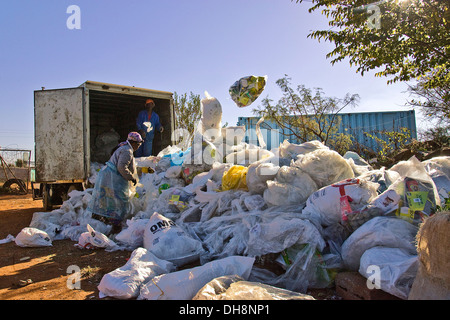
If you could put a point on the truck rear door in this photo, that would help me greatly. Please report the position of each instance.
(59, 135)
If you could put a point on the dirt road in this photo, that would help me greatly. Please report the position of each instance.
(43, 273)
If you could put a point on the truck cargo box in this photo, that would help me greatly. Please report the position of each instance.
(70, 122)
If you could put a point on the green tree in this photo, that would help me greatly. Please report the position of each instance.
(390, 142)
(187, 111)
(400, 39)
(305, 114)
(434, 103)
(20, 163)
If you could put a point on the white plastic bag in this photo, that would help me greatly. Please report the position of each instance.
(125, 282)
(133, 235)
(32, 237)
(324, 166)
(184, 284)
(416, 179)
(291, 186)
(281, 233)
(292, 150)
(254, 202)
(93, 239)
(397, 267)
(260, 172)
(235, 288)
(328, 205)
(169, 242)
(173, 172)
(211, 114)
(380, 231)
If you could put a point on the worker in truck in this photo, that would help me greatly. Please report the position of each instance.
(110, 198)
(147, 124)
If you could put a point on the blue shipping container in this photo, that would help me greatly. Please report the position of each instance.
(355, 124)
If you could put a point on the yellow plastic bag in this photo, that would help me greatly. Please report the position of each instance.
(235, 178)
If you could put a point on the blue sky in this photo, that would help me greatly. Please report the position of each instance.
(170, 45)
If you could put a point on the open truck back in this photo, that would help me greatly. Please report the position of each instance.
(68, 123)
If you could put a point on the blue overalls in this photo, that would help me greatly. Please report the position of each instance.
(145, 149)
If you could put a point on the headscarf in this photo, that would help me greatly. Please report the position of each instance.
(132, 136)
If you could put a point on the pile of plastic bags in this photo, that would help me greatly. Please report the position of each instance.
(289, 218)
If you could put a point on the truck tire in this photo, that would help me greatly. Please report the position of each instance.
(46, 198)
(16, 185)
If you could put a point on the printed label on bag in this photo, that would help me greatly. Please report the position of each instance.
(162, 224)
(345, 207)
(417, 200)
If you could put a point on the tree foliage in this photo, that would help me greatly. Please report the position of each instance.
(399, 39)
(305, 114)
(434, 103)
(187, 111)
(390, 142)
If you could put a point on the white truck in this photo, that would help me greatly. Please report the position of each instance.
(69, 124)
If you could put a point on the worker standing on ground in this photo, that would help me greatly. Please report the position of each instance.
(110, 198)
(147, 124)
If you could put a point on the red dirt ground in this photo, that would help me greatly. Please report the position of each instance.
(47, 267)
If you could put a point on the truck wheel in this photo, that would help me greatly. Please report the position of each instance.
(46, 198)
(16, 186)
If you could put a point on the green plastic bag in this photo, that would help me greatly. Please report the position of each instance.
(247, 89)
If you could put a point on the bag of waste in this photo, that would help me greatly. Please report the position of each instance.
(104, 144)
(247, 156)
(358, 170)
(385, 178)
(300, 274)
(260, 172)
(168, 151)
(93, 239)
(397, 269)
(32, 237)
(235, 178)
(437, 166)
(382, 231)
(332, 204)
(9, 238)
(49, 222)
(291, 186)
(292, 150)
(357, 160)
(179, 199)
(173, 172)
(247, 89)
(133, 235)
(324, 166)
(418, 191)
(280, 233)
(216, 288)
(254, 202)
(211, 115)
(381, 205)
(125, 282)
(278, 194)
(184, 284)
(236, 288)
(439, 170)
(170, 242)
(95, 167)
